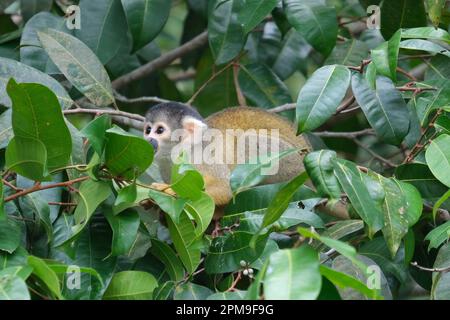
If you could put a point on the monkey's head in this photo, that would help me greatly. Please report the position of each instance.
(169, 124)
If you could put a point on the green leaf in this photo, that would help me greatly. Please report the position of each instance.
(125, 228)
(131, 285)
(36, 203)
(91, 194)
(438, 236)
(315, 21)
(281, 201)
(166, 255)
(441, 288)
(6, 132)
(401, 14)
(420, 176)
(79, 64)
(37, 115)
(341, 247)
(439, 203)
(47, 275)
(95, 132)
(426, 33)
(191, 291)
(384, 108)
(185, 241)
(13, 288)
(293, 275)
(435, 8)
(438, 158)
(245, 176)
(202, 210)
(103, 29)
(2, 203)
(225, 31)
(171, 205)
(31, 52)
(348, 53)
(27, 157)
(231, 295)
(342, 229)
(424, 45)
(345, 281)
(126, 155)
(259, 84)
(385, 56)
(354, 185)
(413, 201)
(126, 198)
(254, 12)
(321, 95)
(10, 235)
(186, 181)
(145, 19)
(319, 165)
(226, 252)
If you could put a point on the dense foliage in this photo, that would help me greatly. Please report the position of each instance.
(75, 219)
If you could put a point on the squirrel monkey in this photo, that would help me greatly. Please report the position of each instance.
(237, 134)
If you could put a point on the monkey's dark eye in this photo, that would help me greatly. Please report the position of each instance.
(160, 130)
(148, 130)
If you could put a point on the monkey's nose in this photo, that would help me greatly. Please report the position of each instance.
(154, 143)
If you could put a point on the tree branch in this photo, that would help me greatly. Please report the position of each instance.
(162, 61)
(415, 264)
(124, 99)
(345, 135)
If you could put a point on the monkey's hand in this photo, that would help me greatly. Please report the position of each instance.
(163, 187)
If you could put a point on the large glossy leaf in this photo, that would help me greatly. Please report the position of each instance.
(145, 19)
(23, 73)
(185, 241)
(254, 12)
(6, 132)
(321, 96)
(362, 199)
(166, 255)
(438, 158)
(191, 291)
(385, 56)
(384, 108)
(46, 275)
(103, 28)
(426, 33)
(259, 84)
(79, 64)
(126, 155)
(131, 285)
(91, 194)
(202, 210)
(424, 45)
(438, 236)
(281, 201)
(225, 32)
(441, 280)
(438, 68)
(315, 21)
(292, 55)
(31, 52)
(420, 176)
(12, 287)
(10, 235)
(348, 53)
(227, 252)
(293, 274)
(319, 165)
(27, 157)
(37, 115)
(401, 14)
(37, 204)
(125, 228)
(435, 10)
(95, 132)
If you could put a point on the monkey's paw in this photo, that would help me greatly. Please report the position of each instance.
(163, 187)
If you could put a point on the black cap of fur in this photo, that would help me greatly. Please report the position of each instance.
(171, 111)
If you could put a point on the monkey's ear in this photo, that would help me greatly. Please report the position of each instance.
(194, 129)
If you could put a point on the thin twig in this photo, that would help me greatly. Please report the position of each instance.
(415, 264)
(39, 187)
(345, 135)
(133, 116)
(124, 99)
(9, 184)
(385, 161)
